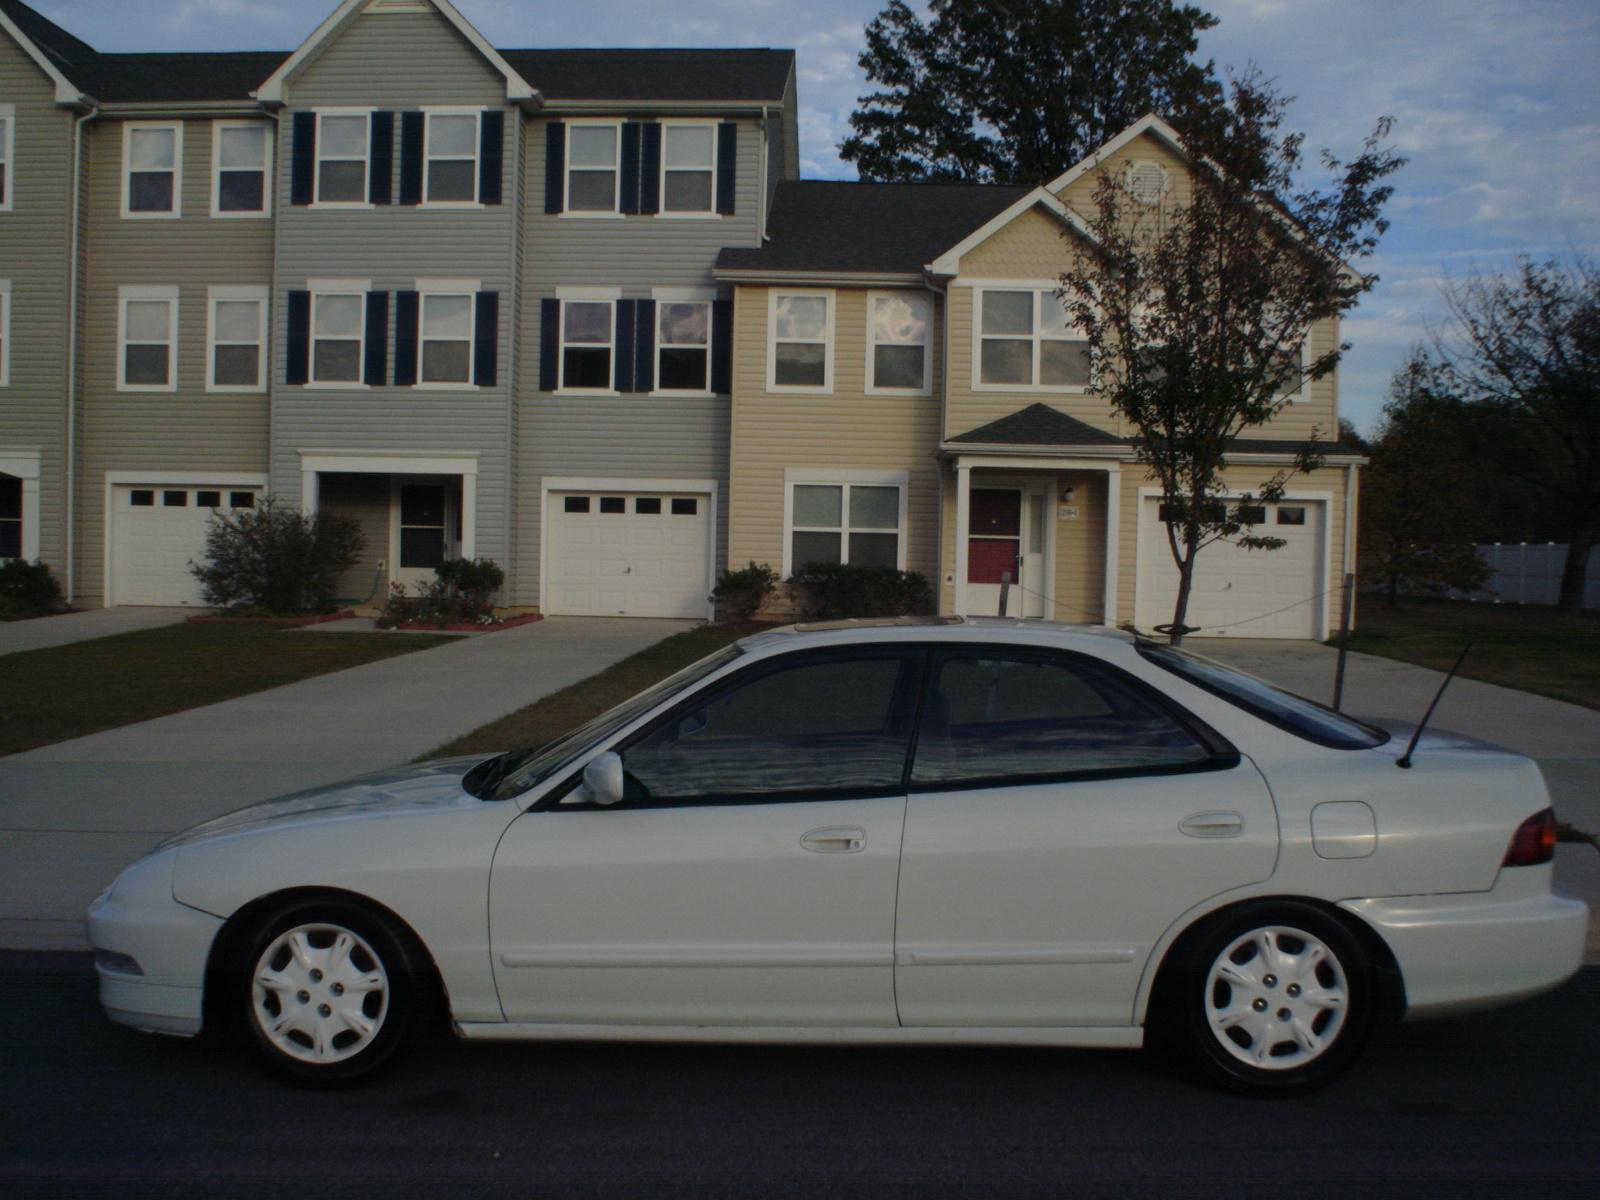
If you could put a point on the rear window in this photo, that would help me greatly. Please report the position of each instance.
(1304, 718)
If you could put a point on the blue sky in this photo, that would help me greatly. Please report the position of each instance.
(1497, 105)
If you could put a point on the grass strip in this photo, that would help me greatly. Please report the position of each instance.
(547, 719)
(64, 692)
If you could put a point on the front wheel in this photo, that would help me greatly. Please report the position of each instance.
(1272, 1000)
(329, 991)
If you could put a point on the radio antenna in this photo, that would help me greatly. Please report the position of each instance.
(1405, 759)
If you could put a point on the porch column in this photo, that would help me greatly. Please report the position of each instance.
(1113, 540)
(963, 503)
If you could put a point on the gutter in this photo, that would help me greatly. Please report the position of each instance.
(820, 278)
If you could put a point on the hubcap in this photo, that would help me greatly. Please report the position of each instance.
(319, 993)
(1276, 998)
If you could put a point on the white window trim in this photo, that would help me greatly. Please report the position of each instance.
(23, 462)
(366, 158)
(5, 334)
(1047, 289)
(336, 287)
(129, 292)
(128, 127)
(706, 296)
(845, 479)
(1304, 392)
(449, 287)
(773, 296)
(872, 344)
(456, 110)
(708, 214)
(216, 171)
(588, 295)
(258, 292)
(615, 211)
(8, 155)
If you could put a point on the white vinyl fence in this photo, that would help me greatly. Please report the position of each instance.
(1530, 573)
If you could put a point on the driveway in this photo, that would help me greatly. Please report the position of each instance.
(41, 633)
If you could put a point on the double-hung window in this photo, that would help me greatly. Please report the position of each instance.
(450, 153)
(800, 337)
(588, 335)
(899, 326)
(592, 167)
(147, 338)
(844, 517)
(236, 338)
(338, 336)
(8, 122)
(152, 169)
(1026, 341)
(1292, 384)
(241, 157)
(683, 345)
(343, 142)
(689, 168)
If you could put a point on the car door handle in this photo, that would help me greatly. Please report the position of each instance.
(835, 839)
(1213, 824)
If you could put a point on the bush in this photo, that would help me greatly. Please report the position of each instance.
(472, 578)
(743, 592)
(28, 586)
(277, 559)
(834, 592)
(459, 596)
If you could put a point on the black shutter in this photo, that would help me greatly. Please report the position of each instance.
(622, 351)
(722, 346)
(628, 201)
(491, 156)
(411, 130)
(644, 345)
(407, 306)
(650, 170)
(549, 345)
(727, 169)
(555, 168)
(380, 182)
(297, 354)
(303, 159)
(376, 372)
(486, 340)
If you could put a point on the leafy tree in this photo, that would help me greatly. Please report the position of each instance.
(1196, 304)
(1524, 351)
(275, 559)
(1424, 468)
(1017, 91)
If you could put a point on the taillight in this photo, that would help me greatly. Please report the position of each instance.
(1534, 842)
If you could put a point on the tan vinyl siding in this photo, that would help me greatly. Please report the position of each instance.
(1079, 194)
(366, 499)
(1030, 247)
(397, 60)
(35, 242)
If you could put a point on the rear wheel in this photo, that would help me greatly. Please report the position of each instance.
(1272, 999)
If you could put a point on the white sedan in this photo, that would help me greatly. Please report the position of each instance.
(935, 830)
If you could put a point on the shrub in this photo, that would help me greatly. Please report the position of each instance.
(28, 586)
(276, 558)
(472, 578)
(743, 592)
(835, 592)
(459, 596)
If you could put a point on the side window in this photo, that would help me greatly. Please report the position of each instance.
(997, 717)
(812, 729)
(799, 335)
(688, 168)
(240, 156)
(236, 335)
(152, 158)
(147, 335)
(683, 346)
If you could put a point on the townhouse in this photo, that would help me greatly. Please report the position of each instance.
(572, 310)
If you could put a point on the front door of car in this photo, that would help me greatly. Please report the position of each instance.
(747, 877)
(1060, 819)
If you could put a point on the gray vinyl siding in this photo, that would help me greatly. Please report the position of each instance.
(394, 62)
(35, 251)
(366, 499)
(189, 429)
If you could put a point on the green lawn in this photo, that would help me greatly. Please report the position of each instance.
(547, 719)
(51, 695)
(1524, 646)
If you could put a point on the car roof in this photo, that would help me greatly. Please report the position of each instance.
(929, 629)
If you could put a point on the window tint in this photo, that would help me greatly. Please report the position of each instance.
(812, 728)
(1001, 717)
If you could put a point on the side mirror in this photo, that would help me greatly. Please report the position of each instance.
(602, 779)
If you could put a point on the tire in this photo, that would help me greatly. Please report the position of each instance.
(1273, 999)
(327, 991)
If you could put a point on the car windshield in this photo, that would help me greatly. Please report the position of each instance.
(1305, 718)
(558, 754)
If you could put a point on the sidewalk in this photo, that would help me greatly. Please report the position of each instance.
(73, 814)
(41, 633)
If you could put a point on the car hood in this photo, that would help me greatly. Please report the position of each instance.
(431, 785)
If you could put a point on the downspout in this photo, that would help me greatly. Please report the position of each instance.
(1350, 513)
(69, 541)
(766, 184)
(942, 392)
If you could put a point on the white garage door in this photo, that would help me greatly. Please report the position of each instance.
(628, 554)
(1241, 593)
(156, 531)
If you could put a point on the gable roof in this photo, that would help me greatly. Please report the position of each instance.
(1149, 124)
(178, 78)
(1039, 425)
(50, 46)
(835, 227)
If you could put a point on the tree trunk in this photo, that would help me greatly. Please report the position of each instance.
(1180, 610)
(1574, 572)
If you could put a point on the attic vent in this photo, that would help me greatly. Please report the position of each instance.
(1147, 181)
(398, 6)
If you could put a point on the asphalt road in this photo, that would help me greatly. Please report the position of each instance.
(1497, 1104)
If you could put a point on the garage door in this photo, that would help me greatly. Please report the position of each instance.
(156, 532)
(1241, 593)
(628, 554)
